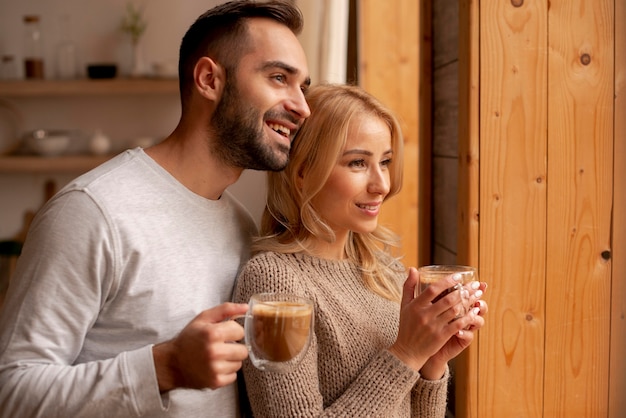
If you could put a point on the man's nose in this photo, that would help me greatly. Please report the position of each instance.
(298, 105)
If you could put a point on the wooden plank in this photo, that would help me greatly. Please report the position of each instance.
(446, 112)
(617, 364)
(467, 373)
(445, 157)
(445, 45)
(445, 173)
(513, 126)
(50, 165)
(424, 133)
(388, 62)
(578, 285)
(82, 87)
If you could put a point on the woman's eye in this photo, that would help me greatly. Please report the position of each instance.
(386, 162)
(357, 163)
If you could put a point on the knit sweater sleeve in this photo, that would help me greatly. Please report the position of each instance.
(380, 387)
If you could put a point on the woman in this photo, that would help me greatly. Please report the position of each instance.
(377, 349)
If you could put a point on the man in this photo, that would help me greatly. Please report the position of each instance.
(117, 307)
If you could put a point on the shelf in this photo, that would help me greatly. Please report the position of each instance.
(84, 87)
(50, 165)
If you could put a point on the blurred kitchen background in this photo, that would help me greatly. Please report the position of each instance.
(92, 29)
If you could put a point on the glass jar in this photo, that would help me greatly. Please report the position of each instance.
(8, 70)
(66, 67)
(33, 48)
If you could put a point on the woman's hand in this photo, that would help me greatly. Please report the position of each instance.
(426, 329)
(470, 322)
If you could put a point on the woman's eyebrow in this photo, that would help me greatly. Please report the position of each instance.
(364, 152)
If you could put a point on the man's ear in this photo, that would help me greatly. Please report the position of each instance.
(209, 78)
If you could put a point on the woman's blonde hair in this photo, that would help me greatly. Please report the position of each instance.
(291, 223)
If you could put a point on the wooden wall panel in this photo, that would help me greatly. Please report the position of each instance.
(542, 196)
(552, 196)
(513, 143)
(389, 60)
(445, 157)
(617, 365)
(578, 285)
(468, 220)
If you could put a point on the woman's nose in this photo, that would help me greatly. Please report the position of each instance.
(379, 182)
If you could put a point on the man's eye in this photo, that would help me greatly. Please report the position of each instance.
(280, 78)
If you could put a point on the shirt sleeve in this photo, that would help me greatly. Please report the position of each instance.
(53, 300)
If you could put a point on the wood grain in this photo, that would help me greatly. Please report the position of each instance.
(513, 142)
(542, 202)
(468, 220)
(551, 241)
(578, 281)
(107, 87)
(388, 60)
(617, 363)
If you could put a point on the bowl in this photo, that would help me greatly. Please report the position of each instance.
(97, 71)
(48, 143)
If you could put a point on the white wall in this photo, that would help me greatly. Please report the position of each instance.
(95, 26)
(94, 29)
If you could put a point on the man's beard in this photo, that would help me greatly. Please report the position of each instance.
(239, 140)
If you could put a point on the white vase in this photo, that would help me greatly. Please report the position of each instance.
(137, 64)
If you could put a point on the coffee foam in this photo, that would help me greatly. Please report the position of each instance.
(282, 309)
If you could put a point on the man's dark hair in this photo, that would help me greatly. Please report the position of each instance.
(222, 34)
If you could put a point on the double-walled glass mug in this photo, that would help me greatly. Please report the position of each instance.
(278, 330)
(433, 273)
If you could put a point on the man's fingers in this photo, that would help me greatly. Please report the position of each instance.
(223, 312)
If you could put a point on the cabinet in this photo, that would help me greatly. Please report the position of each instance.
(74, 88)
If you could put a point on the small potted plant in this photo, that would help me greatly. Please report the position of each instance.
(133, 24)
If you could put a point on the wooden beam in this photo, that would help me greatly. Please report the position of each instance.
(389, 68)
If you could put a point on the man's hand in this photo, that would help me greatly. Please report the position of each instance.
(205, 353)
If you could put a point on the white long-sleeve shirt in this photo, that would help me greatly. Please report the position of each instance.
(122, 258)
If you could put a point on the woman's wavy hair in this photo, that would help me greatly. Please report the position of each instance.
(290, 222)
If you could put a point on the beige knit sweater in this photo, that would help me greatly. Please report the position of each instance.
(347, 371)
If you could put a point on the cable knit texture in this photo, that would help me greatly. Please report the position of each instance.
(347, 371)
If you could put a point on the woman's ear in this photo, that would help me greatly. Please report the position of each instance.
(209, 78)
(300, 179)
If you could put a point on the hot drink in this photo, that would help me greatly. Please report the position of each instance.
(281, 329)
(434, 273)
(427, 281)
(278, 330)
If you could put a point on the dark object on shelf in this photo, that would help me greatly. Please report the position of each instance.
(9, 251)
(10, 247)
(33, 54)
(101, 70)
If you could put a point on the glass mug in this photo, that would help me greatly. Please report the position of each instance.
(278, 330)
(431, 274)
